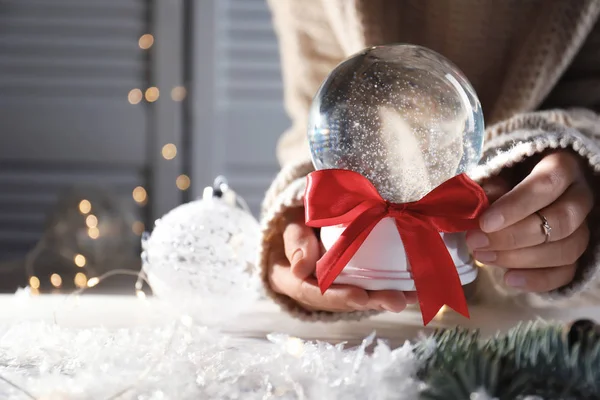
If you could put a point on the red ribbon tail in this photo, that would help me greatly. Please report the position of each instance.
(435, 275)
(337, 257)
(430, 309)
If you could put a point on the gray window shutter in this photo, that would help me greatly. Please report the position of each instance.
(66, 67)
(238, 101)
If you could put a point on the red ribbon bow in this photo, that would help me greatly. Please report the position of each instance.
(337, 196)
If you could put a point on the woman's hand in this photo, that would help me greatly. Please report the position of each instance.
(512, 235)
(292, 273)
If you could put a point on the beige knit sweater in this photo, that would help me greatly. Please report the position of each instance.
(535, 65)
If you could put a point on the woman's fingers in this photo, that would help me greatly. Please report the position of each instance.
(553, 254)
(495, 188)
(292, 274)
(565, 215)
(548, 180)
(512, 236)
(301, 245)
(540, 280)
(338, 298)
(388, 300)
(306, 292)
(570, 211)
(411, 297)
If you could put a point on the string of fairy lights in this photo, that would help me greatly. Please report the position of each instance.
(139, 193)
(151, 95)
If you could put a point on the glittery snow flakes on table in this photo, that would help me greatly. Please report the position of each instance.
(181, 361)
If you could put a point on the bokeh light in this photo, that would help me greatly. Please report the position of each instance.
(85, 206)
(152, 94)
(178, 93)
(80, 280)
(34, 282)
(169, 151)
(146, 41)
(139, 195)
(56, 280)
(93, 233)
(138, 227)
(135, 96)
(91, 221)
(183, 182)
(79, 260)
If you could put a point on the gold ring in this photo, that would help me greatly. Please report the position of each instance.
(546, 228)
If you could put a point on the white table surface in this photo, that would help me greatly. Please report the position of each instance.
(265, 317)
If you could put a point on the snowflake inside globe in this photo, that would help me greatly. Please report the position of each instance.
(402, 116)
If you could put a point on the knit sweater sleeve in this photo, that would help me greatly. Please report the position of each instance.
(309, 51)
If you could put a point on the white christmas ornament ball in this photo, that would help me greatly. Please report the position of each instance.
(200, 259)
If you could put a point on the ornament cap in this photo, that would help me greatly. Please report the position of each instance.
(221, 190)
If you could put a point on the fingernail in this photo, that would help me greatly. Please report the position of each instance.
(515, 280)
(477, 240)
(485, 256)
(492, 221)
(297, 256)
(392, 309)
(356, 306)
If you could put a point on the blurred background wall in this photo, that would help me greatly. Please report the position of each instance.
(115, 111)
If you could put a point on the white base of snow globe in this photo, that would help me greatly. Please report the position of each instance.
(381, 263)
